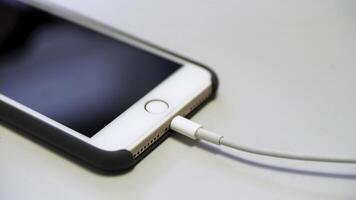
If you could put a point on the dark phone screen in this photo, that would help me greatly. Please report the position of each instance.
(73, 75)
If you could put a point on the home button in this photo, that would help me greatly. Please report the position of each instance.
(156, 106)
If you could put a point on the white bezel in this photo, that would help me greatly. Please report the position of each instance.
(135, 123)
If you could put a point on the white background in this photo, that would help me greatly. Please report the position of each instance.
(288, 83)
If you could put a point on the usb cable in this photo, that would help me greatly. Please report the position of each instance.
(196, 131)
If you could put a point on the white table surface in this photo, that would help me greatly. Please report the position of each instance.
(288, 83)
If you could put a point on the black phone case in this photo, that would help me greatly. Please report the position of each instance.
(105, 161)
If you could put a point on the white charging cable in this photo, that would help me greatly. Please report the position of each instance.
(196, 131)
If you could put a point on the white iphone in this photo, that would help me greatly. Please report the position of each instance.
(96, 93)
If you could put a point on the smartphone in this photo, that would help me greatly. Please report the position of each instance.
(103, 96)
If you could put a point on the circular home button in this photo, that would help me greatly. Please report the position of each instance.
(156, 106)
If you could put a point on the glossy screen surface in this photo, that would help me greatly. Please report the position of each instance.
(75, 76)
